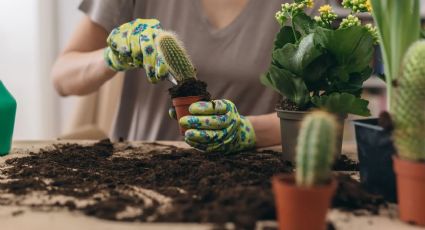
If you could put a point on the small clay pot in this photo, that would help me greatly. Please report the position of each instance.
(410, 190)
(181, 104)
(301, 208)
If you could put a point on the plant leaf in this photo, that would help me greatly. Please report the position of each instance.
(342, 103)
(287, 84)
(304, 24)
(295, 57)
(352, 47)
(285, 36)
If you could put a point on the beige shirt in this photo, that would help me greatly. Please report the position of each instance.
(230, 60)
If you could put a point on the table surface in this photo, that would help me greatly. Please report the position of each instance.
(63, 219)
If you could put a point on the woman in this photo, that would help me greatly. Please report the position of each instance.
(230, 43)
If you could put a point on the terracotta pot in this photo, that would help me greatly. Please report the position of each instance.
(301, 208)
(290, 122)
(181, 104)
(410, 190)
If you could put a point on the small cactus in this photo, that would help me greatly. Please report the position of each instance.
(316, 149)
(175, 56)
(408, 108)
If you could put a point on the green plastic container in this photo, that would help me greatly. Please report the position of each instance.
(7, 119)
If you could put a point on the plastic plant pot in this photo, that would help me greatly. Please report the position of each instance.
(181, 104)
(301, 208)
(7, 119)
(375, 150)
(290, 122)
(410, 190)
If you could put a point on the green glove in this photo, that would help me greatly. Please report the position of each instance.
(132, 45)
(217, 127)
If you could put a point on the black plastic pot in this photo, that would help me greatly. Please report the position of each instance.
(290, 122)
(375, 150)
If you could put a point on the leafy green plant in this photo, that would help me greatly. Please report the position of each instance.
(316, 63)
(175, 56)
(316, 149)
(409, 98)
(398, 24)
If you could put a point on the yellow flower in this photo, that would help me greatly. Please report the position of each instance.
(325, 9)
(368, 6)
(309, 3)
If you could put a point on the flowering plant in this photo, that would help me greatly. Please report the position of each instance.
(317, 62)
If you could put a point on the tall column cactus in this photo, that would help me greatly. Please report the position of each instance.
(316, 149)
(409, 101)
(175, 56)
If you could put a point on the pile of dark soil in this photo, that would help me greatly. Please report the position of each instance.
(158, 183)
(350, 196)
(190, 87)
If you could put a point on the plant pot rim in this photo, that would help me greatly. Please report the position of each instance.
(288, 180)
(179, 101)
(364, 122)
(417, 168)
(290, 111)
(300, 114)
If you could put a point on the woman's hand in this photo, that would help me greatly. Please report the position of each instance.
(132, 45)
(217, 127)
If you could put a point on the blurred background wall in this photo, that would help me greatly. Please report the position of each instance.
(32, 33)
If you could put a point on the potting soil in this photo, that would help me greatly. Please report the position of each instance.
(190, 87)
(157, 183)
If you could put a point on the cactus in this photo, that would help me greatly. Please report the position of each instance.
(316, 149)
(175, 56)
(408, 108)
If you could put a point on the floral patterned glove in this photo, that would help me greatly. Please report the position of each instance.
(132, 45)
(217, 127)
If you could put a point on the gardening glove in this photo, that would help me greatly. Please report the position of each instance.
(217, 127)
(132, 45)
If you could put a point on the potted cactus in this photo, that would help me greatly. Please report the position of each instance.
(302, 202)
(7, 119)
(188, 89)
(374, 136)
(409, 135)
(317, 63)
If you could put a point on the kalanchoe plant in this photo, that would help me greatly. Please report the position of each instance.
(175, 56)
(316, 149)
(316, 63)
(409, 98)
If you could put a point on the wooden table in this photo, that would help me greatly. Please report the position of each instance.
(64, 220)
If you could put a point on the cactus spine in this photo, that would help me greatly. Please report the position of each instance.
(316, 149)
(175, 56)
(408, 108)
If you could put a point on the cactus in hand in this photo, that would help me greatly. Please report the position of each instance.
(408, 108)
(175, 56)
(316, 149)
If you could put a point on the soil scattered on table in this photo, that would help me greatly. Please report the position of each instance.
(351, 197)
(190, 87)
(158, 183)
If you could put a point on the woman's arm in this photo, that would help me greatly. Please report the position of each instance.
(80, 69)
(267, 129)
